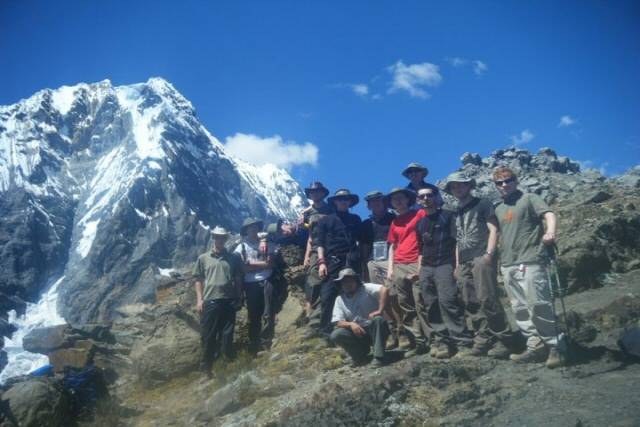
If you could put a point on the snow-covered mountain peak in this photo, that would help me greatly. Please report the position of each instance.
(116, 180)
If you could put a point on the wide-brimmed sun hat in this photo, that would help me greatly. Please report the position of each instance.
(414, 166)
(316, 186)
(343, 193)
(249, 222)
(458, 177)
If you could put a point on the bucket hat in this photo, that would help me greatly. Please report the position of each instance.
(220, 231)
(414, 166)
(248, 223)
(343, 193)
(316, 185)
(347, 273)
(458, 177)
(407, 192)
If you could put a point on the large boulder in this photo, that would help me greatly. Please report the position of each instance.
(171, 350)
(45, 340)
(36, 402)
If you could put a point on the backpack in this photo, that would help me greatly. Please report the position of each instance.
(85, 386)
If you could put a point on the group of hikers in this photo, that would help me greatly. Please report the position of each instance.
(414, 276)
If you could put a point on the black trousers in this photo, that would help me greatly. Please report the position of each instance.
(217, 325)
(259, 296)
(329, 291)
(377, 331)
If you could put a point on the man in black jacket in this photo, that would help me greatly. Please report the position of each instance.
(336, 236)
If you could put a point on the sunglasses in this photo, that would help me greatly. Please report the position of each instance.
(342, 199)
(427, 196)
(502, 182)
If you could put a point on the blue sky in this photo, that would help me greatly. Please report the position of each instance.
(371, 85)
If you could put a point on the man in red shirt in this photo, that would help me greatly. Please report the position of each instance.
(403, 267)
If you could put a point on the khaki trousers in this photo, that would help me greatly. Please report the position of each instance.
(529, 291)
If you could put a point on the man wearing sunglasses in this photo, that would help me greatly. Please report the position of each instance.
(443, 314)
(523, 236)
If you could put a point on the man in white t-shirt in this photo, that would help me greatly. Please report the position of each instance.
(257, 257)
(357, 315)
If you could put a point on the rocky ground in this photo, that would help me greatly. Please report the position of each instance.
(149, 352)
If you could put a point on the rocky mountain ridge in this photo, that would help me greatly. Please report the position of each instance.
(103, 186)
(94, 176)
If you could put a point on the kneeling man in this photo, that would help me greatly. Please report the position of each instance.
(357, 315)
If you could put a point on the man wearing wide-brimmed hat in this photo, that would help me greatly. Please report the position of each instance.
(218, 283)
(477, 237)
(316, 192)
(375, 253)
(403, 265)
(357, 315)
(337, 238)
(257, 255)
(342, 201)
(416, 174)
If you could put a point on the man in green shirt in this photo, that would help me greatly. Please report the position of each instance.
(218, 281)
(523, 237)
(476, 272)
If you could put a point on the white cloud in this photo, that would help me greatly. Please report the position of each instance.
(479, 67)
(456, 61)
(566, 121)
(524, 137)
(360, 89)
(414, 78)
(274, 150)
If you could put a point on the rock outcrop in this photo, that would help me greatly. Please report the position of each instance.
(599, 221)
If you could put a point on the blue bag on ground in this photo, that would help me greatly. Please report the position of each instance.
(630, 342)
(85, 386)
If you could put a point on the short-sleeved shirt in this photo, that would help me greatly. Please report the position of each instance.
(437, 238)
(402, 234)
(521, 229)
(357, 308)
(472, 232)
(248, 252)
(218, 273)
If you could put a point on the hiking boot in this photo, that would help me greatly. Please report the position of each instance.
(499, 351)
(479, 350)
(395, 343)
(435, 347)
(553, 360)
(417, 350)
(529, 356)
(378, 362)
(311, 333)
(464, 352)
(445, 352)
(406, 343)
(356, 363)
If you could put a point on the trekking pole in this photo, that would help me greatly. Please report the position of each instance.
(557, 292)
